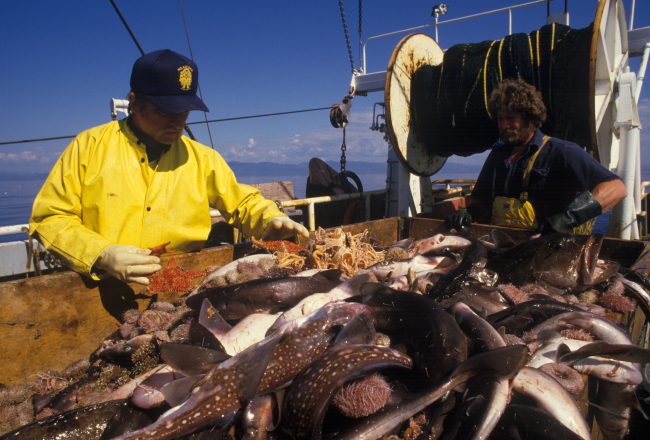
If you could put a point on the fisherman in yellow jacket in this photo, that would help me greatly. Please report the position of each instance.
(121, 188)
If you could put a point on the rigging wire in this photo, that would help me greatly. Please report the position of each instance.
(142, 52)
(261, 116)
(190, 123)
(186, 125)
(38, 140)
(192, 55)
(127, 27)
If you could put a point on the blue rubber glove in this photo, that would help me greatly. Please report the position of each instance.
(581, 209)
(459, 219)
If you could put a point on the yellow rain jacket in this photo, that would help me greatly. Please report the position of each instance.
(102, 191)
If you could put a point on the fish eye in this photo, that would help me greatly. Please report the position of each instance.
(446, 250)
(558, 246)
(385, 263)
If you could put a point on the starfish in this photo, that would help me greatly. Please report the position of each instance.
(279, 245)
(157, 251)
(173, 279)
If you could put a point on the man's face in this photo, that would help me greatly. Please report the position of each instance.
(159, 126)
(514, 130)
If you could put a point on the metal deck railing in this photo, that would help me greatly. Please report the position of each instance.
(28, 255)
(364, 82)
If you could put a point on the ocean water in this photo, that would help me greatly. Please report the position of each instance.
(17, 193)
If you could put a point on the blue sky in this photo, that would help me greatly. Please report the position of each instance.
(65, 60)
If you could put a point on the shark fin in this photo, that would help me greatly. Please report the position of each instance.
(212, 320)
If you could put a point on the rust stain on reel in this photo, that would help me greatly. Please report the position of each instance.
(412, 53)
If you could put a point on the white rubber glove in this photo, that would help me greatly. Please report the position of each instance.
(280, 228)
(128, 263)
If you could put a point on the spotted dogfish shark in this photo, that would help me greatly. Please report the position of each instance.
(305, 338)
(313, 334)
(500, 363)
(263, 367)
(310, 394)
(226, 388)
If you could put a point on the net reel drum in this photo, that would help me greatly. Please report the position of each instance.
(435, 109)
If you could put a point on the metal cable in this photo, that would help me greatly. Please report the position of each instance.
(141, 51)
(37, 140)
(190, 123)
(261, 116)
(127, 27)
(192, 55)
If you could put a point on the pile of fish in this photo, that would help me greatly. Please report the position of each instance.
(449, 337)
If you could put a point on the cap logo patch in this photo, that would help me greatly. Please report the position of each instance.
(185, 77)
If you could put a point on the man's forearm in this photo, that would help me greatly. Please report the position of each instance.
(76, 245)
(609, 193)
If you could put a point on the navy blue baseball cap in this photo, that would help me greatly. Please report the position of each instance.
(168, 80)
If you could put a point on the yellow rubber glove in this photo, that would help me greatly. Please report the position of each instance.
(128, 263)
(280, 228)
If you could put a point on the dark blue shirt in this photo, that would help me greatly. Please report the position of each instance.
(561, 171)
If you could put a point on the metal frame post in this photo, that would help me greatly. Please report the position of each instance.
(623, 222)
(392, 182)
(409, 200)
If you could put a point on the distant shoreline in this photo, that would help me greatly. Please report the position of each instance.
(23, 176)
(358, 167)
(249, 169)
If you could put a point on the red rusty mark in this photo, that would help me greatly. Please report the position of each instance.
(70, 326)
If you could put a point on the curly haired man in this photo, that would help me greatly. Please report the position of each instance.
(533, 181)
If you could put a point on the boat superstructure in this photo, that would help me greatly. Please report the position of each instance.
(61, 316)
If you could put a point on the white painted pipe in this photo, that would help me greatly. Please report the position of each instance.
(633, 143)
(641, 75)
(322, 199)
(409, 199)
(624, 214)
(637, 176)
(16, 229)
(312, 216)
